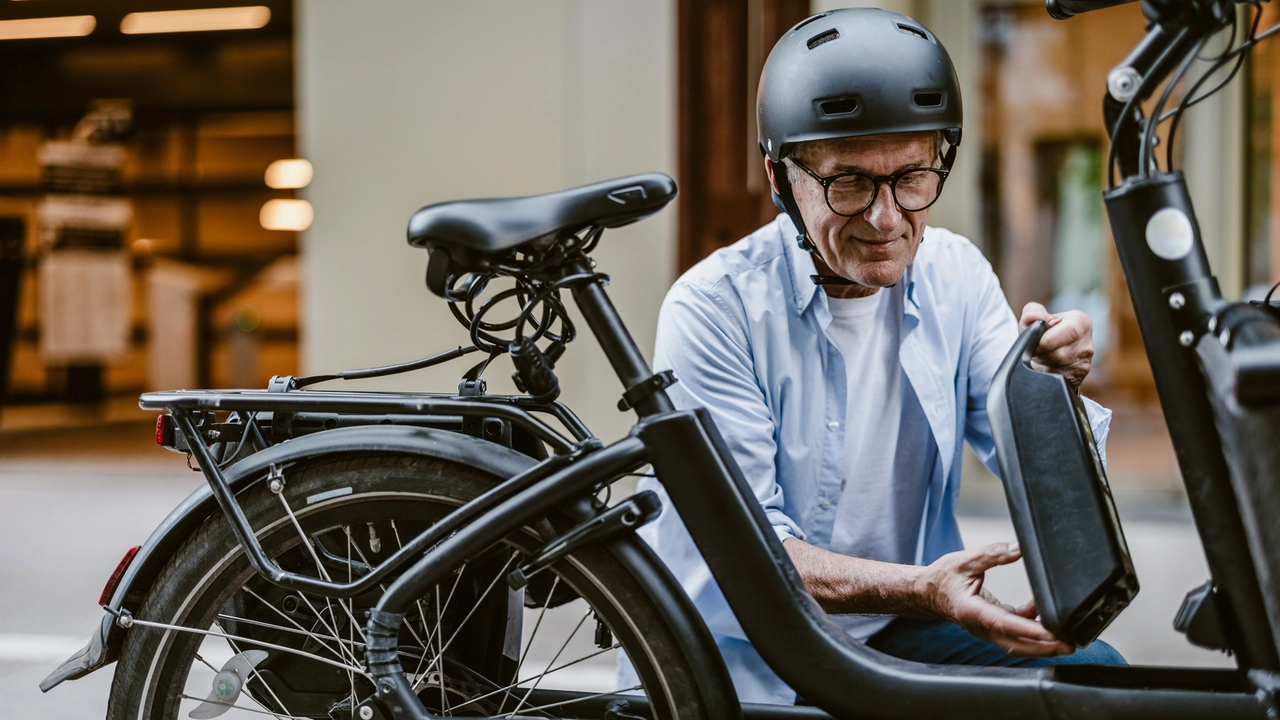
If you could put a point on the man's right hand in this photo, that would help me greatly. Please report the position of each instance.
(952, 589)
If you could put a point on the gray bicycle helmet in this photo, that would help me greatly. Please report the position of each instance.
(851, 72)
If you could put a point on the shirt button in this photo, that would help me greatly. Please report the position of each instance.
(826, 504)
(833, 426)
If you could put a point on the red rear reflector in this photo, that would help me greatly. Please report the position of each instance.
(114, 580)
(164, 430)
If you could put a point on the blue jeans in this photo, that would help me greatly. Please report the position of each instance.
(943, 643)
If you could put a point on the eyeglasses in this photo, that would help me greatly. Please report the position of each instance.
(851, 193)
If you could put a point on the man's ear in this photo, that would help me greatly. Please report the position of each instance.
(768, 169)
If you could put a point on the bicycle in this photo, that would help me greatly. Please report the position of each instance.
(321, 506)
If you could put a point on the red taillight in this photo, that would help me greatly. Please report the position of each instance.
(164, 431)
(114, 580)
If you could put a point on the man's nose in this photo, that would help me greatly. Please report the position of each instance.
(884, 213)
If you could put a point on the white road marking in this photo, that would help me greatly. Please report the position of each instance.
(20, 647)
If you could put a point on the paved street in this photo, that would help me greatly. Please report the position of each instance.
(72, 502)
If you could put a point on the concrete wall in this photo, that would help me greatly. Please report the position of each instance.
(403, 103)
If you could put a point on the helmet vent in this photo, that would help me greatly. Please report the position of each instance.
(824, 37)
(912, 31)
(929, 99)
(843, 106)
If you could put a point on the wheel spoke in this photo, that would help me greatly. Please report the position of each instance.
(365, 560)
(351, 679)
(439, 658)
(253, 675)
(567, 702)
(309, 543)
(444, 701)
(185, 696)
(554, 658)
(281, 628)
(346, 655)
(250, 641)
(518, 683)
(537, 624)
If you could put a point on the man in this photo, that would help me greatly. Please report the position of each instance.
(845, 351)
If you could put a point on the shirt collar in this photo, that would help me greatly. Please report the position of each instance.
(799, 262)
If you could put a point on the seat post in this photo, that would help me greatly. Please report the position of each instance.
(623, 354)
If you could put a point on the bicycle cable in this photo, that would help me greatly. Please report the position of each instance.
(1240, 53)
(1146, 158)
(1133, 103)
(1237, 54)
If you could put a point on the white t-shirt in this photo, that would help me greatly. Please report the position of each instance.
(888, 447)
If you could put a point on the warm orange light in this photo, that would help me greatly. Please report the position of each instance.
(171, 21)
(288, 215)
(289, 174)
(47, 27)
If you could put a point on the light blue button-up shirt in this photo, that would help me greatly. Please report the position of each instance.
(745, 332)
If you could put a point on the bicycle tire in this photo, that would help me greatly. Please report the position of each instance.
(209, 583)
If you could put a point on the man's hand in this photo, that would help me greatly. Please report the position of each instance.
(952, 587)
(1066, 347)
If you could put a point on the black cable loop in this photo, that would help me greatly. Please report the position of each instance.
(536, 289)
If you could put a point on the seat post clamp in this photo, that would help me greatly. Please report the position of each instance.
(643, 389)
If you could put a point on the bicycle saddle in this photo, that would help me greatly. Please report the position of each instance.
(502, 224)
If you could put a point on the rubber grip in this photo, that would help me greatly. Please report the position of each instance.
(1063, 9)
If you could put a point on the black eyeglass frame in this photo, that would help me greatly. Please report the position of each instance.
(876, 182)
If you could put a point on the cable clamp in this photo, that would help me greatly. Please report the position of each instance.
(641, 390)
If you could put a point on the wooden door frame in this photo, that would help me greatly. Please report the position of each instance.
(722, 48)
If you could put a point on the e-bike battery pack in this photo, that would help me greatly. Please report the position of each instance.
(1065, 518)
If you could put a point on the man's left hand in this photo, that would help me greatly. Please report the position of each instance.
(1066, 347)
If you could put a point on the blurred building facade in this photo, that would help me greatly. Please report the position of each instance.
(209, 296)
(399, 104)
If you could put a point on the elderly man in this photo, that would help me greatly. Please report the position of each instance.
(845, 351)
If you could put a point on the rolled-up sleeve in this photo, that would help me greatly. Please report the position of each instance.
(701, 337)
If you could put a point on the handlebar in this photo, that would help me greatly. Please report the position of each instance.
(1063, 9)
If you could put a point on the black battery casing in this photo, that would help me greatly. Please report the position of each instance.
(1065, 518)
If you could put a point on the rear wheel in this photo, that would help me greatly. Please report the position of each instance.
(471, 646)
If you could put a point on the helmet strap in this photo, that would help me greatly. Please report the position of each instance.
(784, 197)
(952, 138)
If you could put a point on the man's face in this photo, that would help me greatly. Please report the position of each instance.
(875, 247)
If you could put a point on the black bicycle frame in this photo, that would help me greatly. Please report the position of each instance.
(798, 640)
